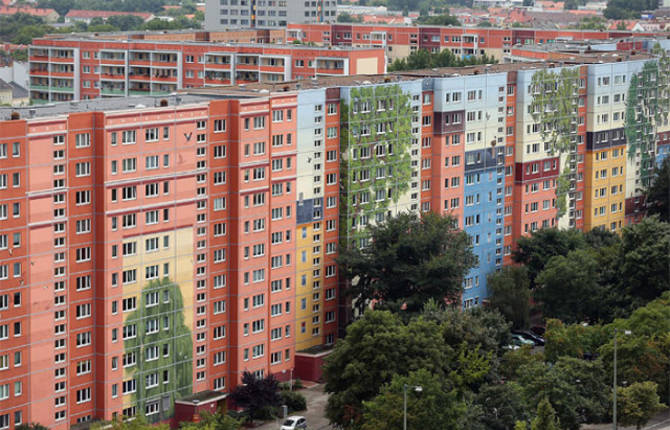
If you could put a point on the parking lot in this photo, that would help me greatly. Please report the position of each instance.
(315, 413)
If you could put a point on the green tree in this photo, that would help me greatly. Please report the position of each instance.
(217, 421)
(502, 405)
(481, 327)
(377, 347)
(658, 194)
(435, 406)
(410, 260)
(31, 426)
(545, 418)
(542, 380)
(625, 9)
(256, 395)
(568, 287)
(534, 251)
(572, 340)
(139, 423)
(345, 17)
(125, 22)
(645, 260)
(509, 293)
(637, 403)
(442, 20)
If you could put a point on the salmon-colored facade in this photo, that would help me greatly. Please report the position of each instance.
(146, 265)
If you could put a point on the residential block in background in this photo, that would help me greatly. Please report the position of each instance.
(84, 68)
(154, 247)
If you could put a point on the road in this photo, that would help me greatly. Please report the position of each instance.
(315, 413)
(659, 422)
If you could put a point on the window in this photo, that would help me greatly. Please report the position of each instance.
(82, 140)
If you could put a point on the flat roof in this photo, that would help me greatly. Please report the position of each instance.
(112, 104)
(443, 72)
(81, 37)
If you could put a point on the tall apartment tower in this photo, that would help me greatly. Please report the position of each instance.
(221, 14)
(148, 251)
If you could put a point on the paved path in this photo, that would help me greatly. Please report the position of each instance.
(315, 413)
(659, 422)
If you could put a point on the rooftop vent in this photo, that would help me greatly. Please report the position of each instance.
(163, 103)
(15, 115)
(31, 112)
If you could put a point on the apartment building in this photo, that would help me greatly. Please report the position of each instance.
(399, 41)
(72, 69)
(156, 247)
(220, 14)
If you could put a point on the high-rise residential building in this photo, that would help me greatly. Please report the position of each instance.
(77, 68)
(155, 247)
(220, 14)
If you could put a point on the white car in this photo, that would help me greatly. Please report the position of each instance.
(294, 422)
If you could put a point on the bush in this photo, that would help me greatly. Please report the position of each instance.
(295, 401)
(297, 384)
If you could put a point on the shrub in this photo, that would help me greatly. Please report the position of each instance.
(295, 401)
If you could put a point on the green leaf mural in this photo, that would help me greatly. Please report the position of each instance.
(647, 106)
(166, 353)
(554, 105)
(375, 147)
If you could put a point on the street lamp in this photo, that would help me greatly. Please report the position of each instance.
(627, 333)
(290, 383)
(416, 388)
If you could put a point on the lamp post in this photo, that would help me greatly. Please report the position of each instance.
(627, 333)
(418, 389)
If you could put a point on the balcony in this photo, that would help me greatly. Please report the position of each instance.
(38, 87)
(62, 89)
(112, 92)
(139, 92)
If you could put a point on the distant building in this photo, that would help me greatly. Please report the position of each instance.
(86, 16)
(12, 94)
(49, 15)
(221, 14)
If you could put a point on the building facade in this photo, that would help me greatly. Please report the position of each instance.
(399, 41)
(152, 248)
(220, 14)
(80, 69)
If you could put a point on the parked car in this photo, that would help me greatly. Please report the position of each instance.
(294, 422)
(538, 330)
(521, 341)
(537, 340)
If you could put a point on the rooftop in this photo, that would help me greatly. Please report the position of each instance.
(118, 104)
(202, 397)
(85, 38)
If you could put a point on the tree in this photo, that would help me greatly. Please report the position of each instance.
(658, 194)
(443, 20)
(534, 251)
(208, 421)
(509, 293)
(345, 17)
(485, 328)
(546, 417)
(637, 403)
(568, 287)
(644, 260)
(625, 9)
(435, 406)
(423, 59)
(410, 259)
(502, 405)
(125, 22)
(139, 423)
(31, 426)
(377, 347)
(256, 394)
